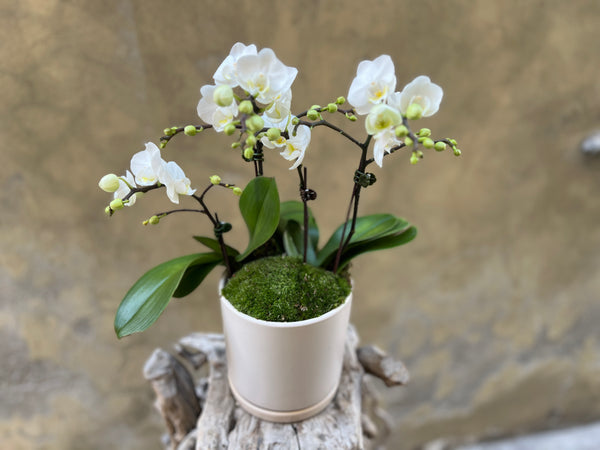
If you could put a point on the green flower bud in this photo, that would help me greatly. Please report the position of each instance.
(162, 144)
(229, 129)
(154, 220)
(255, 123)
(116, 204)
(109, 183)
(340, 100)
(223, 95)
(108, 211)
(420, 154)
(332, 107)
(190, 130)
(248, 153)
(440, 146)
(414, 158)
(215, 179)
(273, 134)
(167, 132)
(312, 114)
(295, 121)
(408, 141)
(145, 222)
(251, 140)
(428, 143)
(457, 152)
(414, 111)
(174, 130)
(351, 117)
(235, 144)
(246, 107)
(317, 107)
(237, 191)
(401, 131)
(452, 142)
(424, 132)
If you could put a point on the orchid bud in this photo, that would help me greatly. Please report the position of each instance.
(440, 146)
(248, 153)
(457, 152)
(251, 140)
(408, 141)
(229, 129)
(414, 111)
(162, 144)
(116, 204)
(154, 220)
(295, 121)
(237, 191)
(340, 100)
(273, 134)
(109, 183)
(108, 211)
(223, 95)
(332, 107)
(167, 132)
(414, 159)
(428, 143)
(235, 144)
(215, 179)
(401, 131)
(190, 130)
(312, 114)
(424, 132)
(255, 123)
(246, 107)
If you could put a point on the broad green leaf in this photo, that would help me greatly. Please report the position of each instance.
(294, 210)
(367, 228)
(293, 242)
(381, 243)
(213, 244)
(259, 205)
(149, 296)
(194, 275)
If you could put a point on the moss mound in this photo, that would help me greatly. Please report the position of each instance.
(284, 289)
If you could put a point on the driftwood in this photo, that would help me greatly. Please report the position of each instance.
(202, 414)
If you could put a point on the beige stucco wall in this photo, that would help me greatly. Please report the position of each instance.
(494, 307)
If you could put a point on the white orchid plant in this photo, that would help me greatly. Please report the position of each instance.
(251, 102)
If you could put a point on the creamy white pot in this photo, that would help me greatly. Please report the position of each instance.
(284, 371)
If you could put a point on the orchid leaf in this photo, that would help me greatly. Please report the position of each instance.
(149, 296)
(259, 205)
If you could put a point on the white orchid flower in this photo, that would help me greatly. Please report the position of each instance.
(146, 164)
(227, 71)
(124, 188)
(421, 92)
(172, 176)
(281, 125)
(264, 76)
(295, 146)
(217, 116)
(384, 141)
(374, 82)
(381, 118)
(279, 110)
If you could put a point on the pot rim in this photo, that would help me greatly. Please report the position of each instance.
(296, 324)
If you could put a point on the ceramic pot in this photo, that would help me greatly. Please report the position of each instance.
(284, 371)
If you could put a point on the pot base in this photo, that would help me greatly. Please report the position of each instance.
(282, 416)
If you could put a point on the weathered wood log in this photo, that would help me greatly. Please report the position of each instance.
(353, 420)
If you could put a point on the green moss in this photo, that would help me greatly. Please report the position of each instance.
(284, 289)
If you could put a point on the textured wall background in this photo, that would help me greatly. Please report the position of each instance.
(494, 308)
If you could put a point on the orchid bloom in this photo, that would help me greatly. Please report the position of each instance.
(227, 71)
(264, 76)
(381, 118)
(295, 146)
(146, 164)
(124, 188)
(217, 116)
(423, 94)
(374, 82)
(384, 141)
(172, 176)
(279, 110)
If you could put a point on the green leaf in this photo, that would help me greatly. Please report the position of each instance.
(381, 243)
(367, 228)
(194, 275)
(149, 296)
(293, 242)
(213, 244)
(259, 205)
(294, 210)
